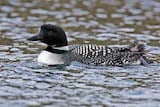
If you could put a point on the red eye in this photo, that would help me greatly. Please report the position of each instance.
(50, 32)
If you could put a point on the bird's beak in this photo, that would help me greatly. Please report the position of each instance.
(35, 38)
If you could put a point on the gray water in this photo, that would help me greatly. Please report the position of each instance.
(26, 83)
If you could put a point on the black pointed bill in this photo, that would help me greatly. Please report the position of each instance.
(35, 38)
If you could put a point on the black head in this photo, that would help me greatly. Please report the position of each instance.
(51, 35)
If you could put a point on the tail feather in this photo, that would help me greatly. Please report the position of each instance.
(140, 50)
(136, 47)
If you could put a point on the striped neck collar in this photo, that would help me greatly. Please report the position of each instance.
(57, 50)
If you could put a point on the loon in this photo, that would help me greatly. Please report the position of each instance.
(59, 52)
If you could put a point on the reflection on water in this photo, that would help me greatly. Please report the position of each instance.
(24, 82)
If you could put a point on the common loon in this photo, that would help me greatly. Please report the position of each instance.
(59, 52)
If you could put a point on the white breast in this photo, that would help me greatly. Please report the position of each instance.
(50, 58)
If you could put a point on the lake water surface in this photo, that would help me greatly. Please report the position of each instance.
(26, 83)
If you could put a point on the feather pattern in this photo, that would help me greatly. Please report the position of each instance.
(102, 55)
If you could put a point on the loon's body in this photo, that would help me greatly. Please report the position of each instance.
(58, 51)
(52, 58)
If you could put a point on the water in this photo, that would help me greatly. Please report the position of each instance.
(26, 83)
